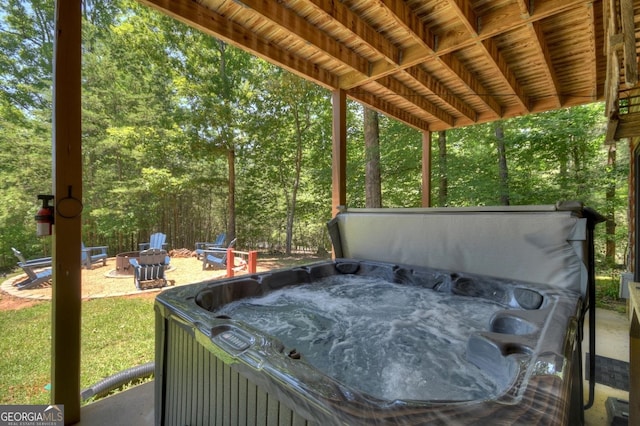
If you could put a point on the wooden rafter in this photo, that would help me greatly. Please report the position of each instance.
(357, 26)
(397, 87)
(467, 16)
(472, 83)
(434, 64)
(405, 18)
(384, 107)
(547, 68)
(504, 73)
(629, 42)
(301, 28)
(432, 85)
(219, 26)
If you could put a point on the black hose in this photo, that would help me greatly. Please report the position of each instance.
(110, 383)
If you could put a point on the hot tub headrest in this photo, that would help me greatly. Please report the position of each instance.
(537, 244)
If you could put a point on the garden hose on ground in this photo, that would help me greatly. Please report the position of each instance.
(110, 383)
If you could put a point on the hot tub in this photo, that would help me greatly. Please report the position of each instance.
(507, 350)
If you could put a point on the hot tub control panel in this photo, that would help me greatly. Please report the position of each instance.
(232, 338)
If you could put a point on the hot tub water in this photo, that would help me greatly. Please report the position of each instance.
(391, 341)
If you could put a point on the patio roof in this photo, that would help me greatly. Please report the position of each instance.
(432, 64)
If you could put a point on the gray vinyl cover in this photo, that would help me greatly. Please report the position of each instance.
(536, 244)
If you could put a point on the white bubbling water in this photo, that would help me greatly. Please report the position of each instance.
(388, 340)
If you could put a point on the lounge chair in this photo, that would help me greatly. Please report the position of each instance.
(156, 241)
(91, 255)
(202, 246)
(29, 267)
(216, 257)
(148, 269)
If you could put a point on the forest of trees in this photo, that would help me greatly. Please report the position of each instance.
(187, 135)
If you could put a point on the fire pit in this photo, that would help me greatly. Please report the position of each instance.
(123, 268)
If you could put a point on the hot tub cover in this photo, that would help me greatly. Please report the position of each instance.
(539, 244)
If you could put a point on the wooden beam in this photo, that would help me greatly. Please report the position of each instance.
(426, 169)
(526, 7)
(612, 84)
(543, 51)
(352, 22)
(599, 55)
(505, 73)
(469, 20)
(451, 62)
(67, 190)
(339, 150)
(390, 110)
(408, 20)
(628, 126)
(630, 54)
(221, 27)
(411, 96)
(301, 28)
(467, 16)
(434, 86)
(612, 128)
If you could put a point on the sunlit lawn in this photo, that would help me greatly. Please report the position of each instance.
(117, 333)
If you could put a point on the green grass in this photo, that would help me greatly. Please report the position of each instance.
(117, 333)
(607, 288)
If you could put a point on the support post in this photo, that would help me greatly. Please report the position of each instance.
(253, 262)
(339, 150)
(67, 190)
(231, 260)
(426, 169)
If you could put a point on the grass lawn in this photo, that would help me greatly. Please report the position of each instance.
(117, 333)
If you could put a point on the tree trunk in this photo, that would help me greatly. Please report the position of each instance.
(229, 143)
(443, 183)
(610, 225)
(231, 226)
(373, 195)
(296, 183)
(502, 165)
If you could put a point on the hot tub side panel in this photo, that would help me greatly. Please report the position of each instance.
(200, 387)
(195, 386)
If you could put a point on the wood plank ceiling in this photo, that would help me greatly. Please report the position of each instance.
(433, 64)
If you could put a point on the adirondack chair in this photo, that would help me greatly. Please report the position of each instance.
(91, 255)
(149, 269)
(216, 257)
(30, 267)
(156, 241)
(36, 263)
(202, 246)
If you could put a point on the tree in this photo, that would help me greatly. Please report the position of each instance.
(373, 198)
(442, 168)
(503, 172)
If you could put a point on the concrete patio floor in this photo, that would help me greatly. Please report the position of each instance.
(135, 406)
